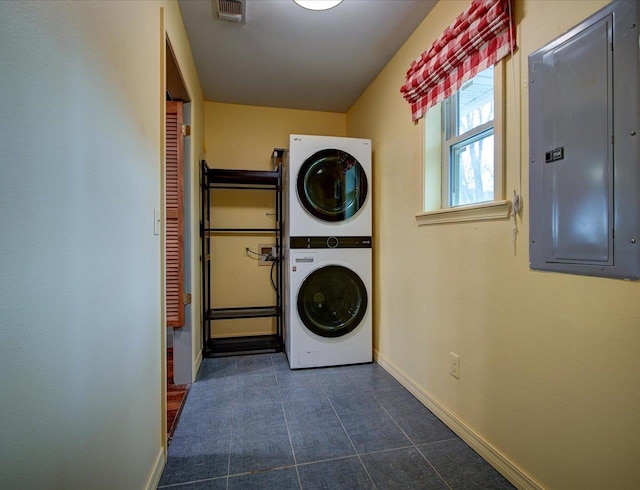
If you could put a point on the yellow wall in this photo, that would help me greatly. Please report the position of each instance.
(549, 362)
(243, 137)
(81, 299)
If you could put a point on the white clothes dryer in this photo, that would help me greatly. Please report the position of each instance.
(328, 297)
(328, 191)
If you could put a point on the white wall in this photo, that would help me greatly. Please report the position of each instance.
(80, 283)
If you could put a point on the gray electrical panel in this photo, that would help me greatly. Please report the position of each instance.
(584, 173)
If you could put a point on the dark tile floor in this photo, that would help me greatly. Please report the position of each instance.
(251, 422)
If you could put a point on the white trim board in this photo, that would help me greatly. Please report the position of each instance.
(491, 455)
(156, 472)
(196, 365)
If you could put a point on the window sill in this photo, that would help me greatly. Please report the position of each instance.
(474, 212)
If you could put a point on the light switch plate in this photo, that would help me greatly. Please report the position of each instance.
(156, 221)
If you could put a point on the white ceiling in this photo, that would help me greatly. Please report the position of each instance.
(287, 56)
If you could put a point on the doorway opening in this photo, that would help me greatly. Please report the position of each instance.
(177, 178)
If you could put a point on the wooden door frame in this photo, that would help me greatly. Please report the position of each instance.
(165, 47)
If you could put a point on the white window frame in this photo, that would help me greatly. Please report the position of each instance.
(435, 190)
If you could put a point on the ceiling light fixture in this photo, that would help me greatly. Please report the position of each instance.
(318, 4)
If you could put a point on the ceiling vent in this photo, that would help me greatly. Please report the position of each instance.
(230, 10)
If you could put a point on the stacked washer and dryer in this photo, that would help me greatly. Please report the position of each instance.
(327, 253)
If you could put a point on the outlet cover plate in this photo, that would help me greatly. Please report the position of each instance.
(264, 249)
(454, 365)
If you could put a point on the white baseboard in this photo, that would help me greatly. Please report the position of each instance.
(196, 365)
(156, 471)
(495, 458)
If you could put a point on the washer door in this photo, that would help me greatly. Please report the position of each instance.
(332, 301)
(332, 185)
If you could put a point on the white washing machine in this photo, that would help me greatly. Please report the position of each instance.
(328, 190)
(328, 298)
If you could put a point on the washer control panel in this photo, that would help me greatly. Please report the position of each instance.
(297, 242)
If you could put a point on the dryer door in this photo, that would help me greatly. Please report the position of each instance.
(332, 185)
(332, 301)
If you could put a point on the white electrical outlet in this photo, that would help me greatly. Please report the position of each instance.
(454, 365)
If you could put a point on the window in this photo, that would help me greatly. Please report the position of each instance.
(467, 146)
(463, 139)
(463, 168)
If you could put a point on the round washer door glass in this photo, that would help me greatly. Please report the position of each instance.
(332, 301)
(332, 185)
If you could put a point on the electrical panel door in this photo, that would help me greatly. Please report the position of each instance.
(581, 214)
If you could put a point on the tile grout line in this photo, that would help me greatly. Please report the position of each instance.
(434, 469)
(181, 484)
(235, 380)
(286, 423)
(351, 441)
(307, 463)
(233, 417)
(412, 442)
(328, 460)
(226, 477)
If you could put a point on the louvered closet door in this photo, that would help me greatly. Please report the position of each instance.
(174, 217)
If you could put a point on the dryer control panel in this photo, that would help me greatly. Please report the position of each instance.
(330, 242)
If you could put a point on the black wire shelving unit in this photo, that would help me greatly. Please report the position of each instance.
(211, 179)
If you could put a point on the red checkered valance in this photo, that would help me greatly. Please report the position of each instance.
(480, 36)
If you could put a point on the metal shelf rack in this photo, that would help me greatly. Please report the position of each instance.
(213, 178)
